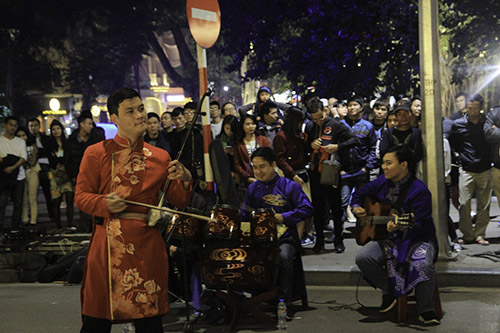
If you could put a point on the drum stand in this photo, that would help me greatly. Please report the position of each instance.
(188, 325)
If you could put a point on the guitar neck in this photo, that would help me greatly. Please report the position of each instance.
(380, 220)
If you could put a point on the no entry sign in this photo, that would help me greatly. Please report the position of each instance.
(204, 21)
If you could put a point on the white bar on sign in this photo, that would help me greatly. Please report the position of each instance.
(175, 98)
(203, 14)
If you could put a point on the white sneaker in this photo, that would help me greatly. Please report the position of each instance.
(350, 216)
(456, 247)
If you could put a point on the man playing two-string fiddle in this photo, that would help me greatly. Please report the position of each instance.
(126, 271)
(290, 205)
(405, 260)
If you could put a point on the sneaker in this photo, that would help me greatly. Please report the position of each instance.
(72, 228)
(350, 216)
(429, 318)
(388, 303)
(307, 240)
(456, 247)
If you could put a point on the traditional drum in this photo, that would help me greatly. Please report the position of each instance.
(226, 226)
(244, 268)
(263, 226)
(191, 227)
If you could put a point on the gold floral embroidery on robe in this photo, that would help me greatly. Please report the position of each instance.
(131, 295)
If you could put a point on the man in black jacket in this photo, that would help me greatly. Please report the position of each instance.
(153, 134)
(192, 155)
(326, 136)
(403, 134)
(77, 143)
(467, 138)
(43, 145)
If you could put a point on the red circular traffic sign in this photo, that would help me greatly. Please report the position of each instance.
(204, 21)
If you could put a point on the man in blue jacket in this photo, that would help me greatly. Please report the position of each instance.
(405, 260)
(290, 205)
(359, 160)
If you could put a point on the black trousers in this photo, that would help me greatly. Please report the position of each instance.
(288, 252)
(319, 194)
(16, 193)
(99, 325)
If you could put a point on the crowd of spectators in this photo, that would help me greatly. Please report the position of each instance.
(354, 133)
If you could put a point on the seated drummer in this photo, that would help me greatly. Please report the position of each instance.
(290, 205)
(405, 260)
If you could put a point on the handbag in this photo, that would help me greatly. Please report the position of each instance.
(60, 175)
(330, 172)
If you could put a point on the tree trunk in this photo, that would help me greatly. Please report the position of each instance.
(188, 83)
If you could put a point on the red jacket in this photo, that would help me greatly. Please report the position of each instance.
(290, 153)
(242, 160)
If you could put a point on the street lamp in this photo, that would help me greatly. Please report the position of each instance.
(54, 104)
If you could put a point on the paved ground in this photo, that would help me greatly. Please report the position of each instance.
(55, 308)
(331, 279)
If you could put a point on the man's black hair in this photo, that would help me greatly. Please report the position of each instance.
(314, 106)
(228, 103)
(34, 119)
(190, 105)
(153, 115)
(381, 101)
(356, 99)
(11, 118)
(404, 153)
(119, 96)
(461, 93)
(215, 103)
(177, 111)
(266, 107)
(85, 114)
(267, 153)
(476, 98)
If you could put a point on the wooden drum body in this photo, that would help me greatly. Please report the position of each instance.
(191, 227)
(245, 268)
(226, 226)
(263, 226)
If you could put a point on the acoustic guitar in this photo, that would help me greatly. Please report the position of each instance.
(373, 225)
